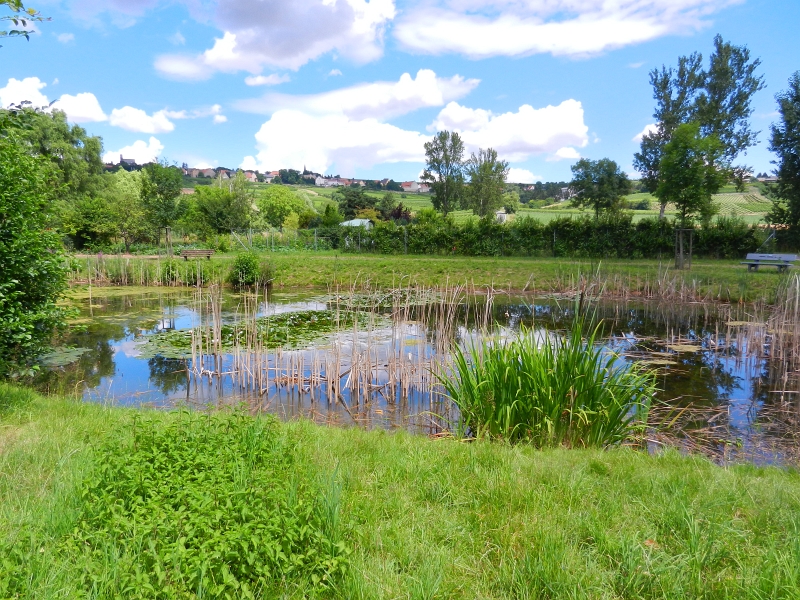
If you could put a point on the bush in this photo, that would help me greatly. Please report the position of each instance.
(245, 269)
(32, 267)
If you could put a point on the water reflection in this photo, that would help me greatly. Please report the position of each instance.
(716, 377)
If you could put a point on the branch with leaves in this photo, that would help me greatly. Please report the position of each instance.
(20, 17)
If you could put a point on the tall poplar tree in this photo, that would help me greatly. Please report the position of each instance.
(719, 99)
(444, 170)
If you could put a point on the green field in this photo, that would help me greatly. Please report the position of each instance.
(86, 512)
(750, 206)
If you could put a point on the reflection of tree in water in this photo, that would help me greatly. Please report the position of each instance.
(167, 374)
(87, 371)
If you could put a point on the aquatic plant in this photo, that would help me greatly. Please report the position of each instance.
(551, 391)
(288, 330)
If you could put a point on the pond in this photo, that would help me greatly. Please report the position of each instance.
(372, 359)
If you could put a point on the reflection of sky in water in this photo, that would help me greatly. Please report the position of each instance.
(114, 371)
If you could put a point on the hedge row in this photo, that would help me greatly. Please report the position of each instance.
(614, 237)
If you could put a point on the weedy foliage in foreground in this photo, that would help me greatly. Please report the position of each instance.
(550, 392)
(204, 506)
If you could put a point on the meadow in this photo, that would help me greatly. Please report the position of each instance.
(387, 515)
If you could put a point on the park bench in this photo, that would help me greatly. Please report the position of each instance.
(781, 261)
(187, 254)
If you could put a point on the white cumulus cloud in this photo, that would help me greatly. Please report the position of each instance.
(565, 153)
(484, 28)
(65, 38)
(291, 139)
(17, 91)
(142, 152)
(651, 128)
(516, 175)
(135, 119)
(81, 108)
(286, 35)
(379, 100)
(272, 79)
(517, 135)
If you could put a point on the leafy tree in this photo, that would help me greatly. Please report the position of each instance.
(785, 143)
(511, 201)
(276, 202)
(444, 170)
(73, 166)
(218, 210)
(599, 184)
(123, 194)
(290, 176)
(393, 186)
(33, 275)
(19, 17)
(718, 99)
(161, 195)
(487, 179)
(692, 169)
(351, 200)
(387, 204)
(331, 217)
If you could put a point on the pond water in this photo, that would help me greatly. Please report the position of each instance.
(721, 390)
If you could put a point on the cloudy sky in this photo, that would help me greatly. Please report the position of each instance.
(355, 87)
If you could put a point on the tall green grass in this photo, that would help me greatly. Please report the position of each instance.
(556, 391)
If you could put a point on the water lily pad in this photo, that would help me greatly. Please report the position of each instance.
(286, 330)
(60, 357)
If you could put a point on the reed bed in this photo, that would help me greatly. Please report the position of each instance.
(393, 353)
(120, 270)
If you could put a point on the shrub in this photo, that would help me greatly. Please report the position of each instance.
(245, 269)
(32, 267)
(550, 392)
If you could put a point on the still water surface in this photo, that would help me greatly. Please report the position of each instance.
(726, 396)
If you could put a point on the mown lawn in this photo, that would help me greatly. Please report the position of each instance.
(108, 502)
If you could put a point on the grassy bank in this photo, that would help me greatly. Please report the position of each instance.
(725, 280)
(105, 501)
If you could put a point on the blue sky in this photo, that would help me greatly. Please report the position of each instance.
(355, 87)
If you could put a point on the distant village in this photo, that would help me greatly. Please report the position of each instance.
(288, 176)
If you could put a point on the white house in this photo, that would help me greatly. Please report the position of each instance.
(410, 186)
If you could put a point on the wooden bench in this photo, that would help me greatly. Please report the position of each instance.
(187, 254)
(781, 261)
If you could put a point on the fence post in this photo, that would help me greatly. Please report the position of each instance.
(315, 238)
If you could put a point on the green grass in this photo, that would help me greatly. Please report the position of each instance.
(711, 279)
(413, 517)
